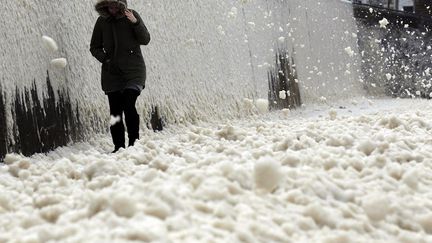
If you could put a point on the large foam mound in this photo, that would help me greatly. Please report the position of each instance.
(350, 179)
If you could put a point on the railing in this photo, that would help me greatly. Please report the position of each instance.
(361, 10)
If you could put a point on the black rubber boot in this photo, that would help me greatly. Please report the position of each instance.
(116, 149)
(116, 110)
(131, 115)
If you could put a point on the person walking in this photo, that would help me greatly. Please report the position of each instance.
(116, 39)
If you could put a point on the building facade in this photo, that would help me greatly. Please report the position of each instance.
(423, 7)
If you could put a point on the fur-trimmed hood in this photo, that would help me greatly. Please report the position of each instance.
(102, 6)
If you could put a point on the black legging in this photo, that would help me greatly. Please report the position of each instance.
(119, 102)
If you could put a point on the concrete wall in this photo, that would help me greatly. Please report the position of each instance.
(204, 58)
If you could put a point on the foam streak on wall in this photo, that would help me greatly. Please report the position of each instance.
(204, 58)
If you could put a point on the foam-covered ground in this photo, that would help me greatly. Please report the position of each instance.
(351, 172)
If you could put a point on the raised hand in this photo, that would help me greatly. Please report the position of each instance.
(130, 16)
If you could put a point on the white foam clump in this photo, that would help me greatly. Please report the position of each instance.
(114, 120)
(383, 23)
(191, 41)
(267, 174)
(286, 112)
(338, 238)
(124, 206)
(320, 215)
(262, 105)
(376, 207)
(59, 62)
(388, 76)
(248, 104)
(367, 147)
(50, 43)
(426, 222)
(281, 39)
(12, 158)
(282, 94)
(427, 72)
(233, 13)
(349, 51)
(410, 178)
(229, 133)
(5, 203)
(158, 208)
(220, 29)
(332, 114)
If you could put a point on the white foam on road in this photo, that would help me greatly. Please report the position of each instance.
(361, 176)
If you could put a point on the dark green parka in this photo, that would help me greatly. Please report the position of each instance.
(116, 44)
